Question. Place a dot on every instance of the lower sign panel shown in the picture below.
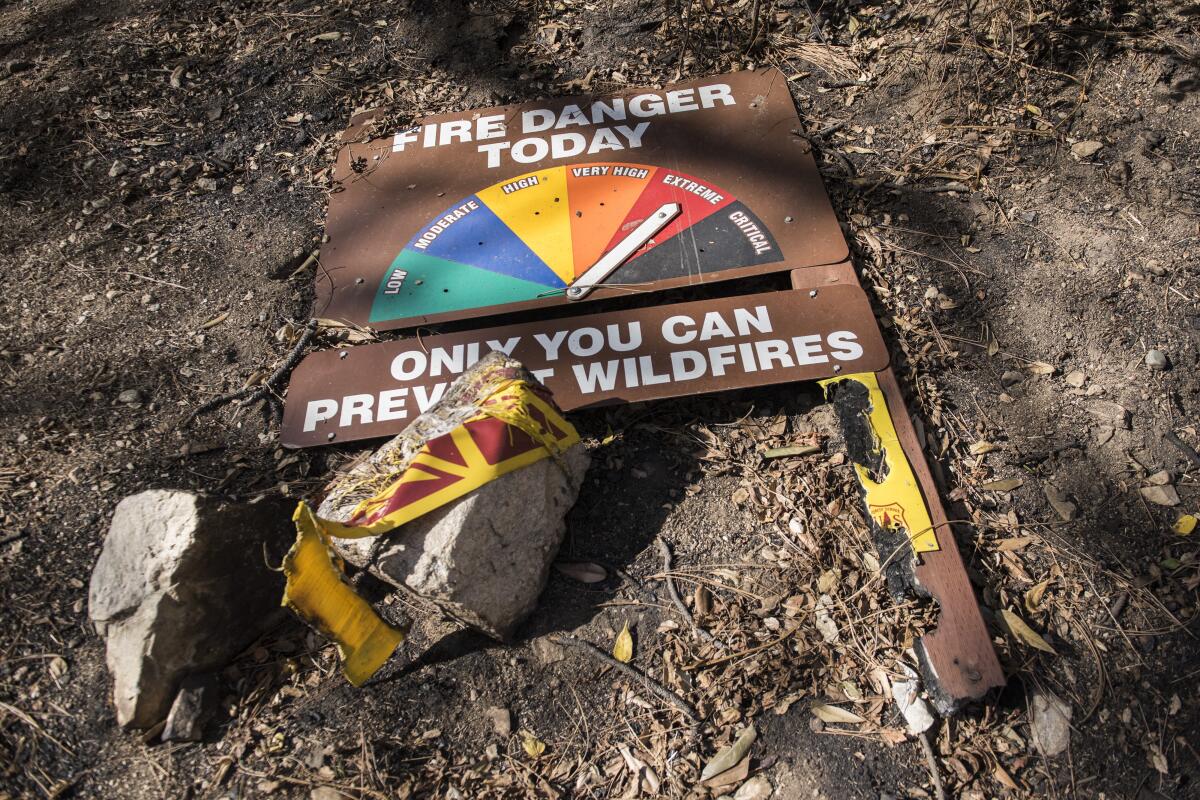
(623, 356)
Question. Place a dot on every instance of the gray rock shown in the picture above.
(1156, 360)
(181, 586)
(130, 396)
(484, 558)
(1061, 504)
(1050, 725)
(1075, 379)
(1114, 414)
(757, 788)
(501, 719)
(1011, 378)
(194, 706)
(1160, 495)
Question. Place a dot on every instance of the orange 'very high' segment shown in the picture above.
(600, 197)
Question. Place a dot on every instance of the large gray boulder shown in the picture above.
(181, 586)
(484, 558)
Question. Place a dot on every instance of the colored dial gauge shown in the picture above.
(581, 225)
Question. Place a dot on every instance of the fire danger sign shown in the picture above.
(639, 354)
(477, 213)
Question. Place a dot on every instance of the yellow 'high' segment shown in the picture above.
(897, 501)
(536, 208)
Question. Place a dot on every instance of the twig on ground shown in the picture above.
(646, 681)
(264, 390)
(664, 550)
(931, 759)
(1184, 448)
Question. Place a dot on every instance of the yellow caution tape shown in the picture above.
(515, 427)
(897, 501)
(317, 591)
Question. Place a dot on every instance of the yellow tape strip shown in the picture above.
(317, 592)
(514, 403)
(316, 589)
(897, 502)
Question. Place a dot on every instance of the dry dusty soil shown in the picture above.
(1019, 184)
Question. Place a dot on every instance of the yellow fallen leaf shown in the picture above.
(1002, 485)
(979, 448)
(1018, 628)
(623, 647)
(828, 713)
(1184, 525)
(533, 745)
(1033, 597)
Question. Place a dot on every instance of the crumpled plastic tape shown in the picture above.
(515, 427)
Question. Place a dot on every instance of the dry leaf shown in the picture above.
(981, 447)
(1002, 485)
(1184, 525)
(730, 756)
(215, 321)
(582, 571)
(1004, 779)
(623, 647)
(533, 745)
(1040, 368)
(1013, 544)
(828, 713)
(1033, 597)
(1018, 628)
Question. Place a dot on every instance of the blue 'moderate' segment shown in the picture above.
(471, 233)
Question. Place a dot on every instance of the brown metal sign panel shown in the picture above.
(476, 213)
(624, 356)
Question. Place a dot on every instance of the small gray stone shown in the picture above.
(130, 396)
(117, 169)
(1061, 504)
(1086, 149)
(326, 793)
(757, 788)
(181, 587)
(194, 706)
(1011, 378)
(1114, 414)
(1075, 379)
(1050, 725)
(501, 719)
(1156, 360)
(547, 652)
(1160, 495)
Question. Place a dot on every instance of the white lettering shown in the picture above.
(391, 405)
(602, 374)
(318, 411)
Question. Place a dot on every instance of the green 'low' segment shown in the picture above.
(436, 286)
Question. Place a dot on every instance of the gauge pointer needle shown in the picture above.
(619, 254)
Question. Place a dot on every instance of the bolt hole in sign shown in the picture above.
(570, 200)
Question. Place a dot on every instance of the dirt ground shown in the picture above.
(1019, 185)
